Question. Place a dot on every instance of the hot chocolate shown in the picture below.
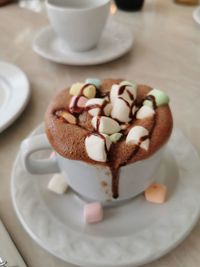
(112, 122)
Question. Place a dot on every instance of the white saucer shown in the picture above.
(115, 42)
(196, 15)
(131, 234)
(14, 93)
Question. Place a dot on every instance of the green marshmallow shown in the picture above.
(160, 97)
(115, 137)
(94, 81)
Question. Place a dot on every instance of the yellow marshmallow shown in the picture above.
(90, 91)
(76, 88)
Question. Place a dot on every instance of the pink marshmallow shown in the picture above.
(93, 212)
(81, 101)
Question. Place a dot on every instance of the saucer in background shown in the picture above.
(196, 15)
(14, 93)
(116, 40)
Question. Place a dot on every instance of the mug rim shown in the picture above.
(72, 9)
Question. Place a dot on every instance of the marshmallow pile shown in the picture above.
(111, 114)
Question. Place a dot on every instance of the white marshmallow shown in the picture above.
(108, 109)
(114, 92)
(120, 111)
(106, 125)
(135, 134)
(100, 102)
(95, 147)
(131, 88)
(145, 144)
(57, 184)
(145, 112)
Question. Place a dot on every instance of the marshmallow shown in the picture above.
(160, 97)
(80, 103)
(130, 89)
(120, 111)
(131, 86)
(145, 144)
(156, 193)
(114, 92)
(94, 81)
(96, 110)
(93, 212)
(135, 134)
(148, 103)
(95, 147)
(105, 125)
(145, 112)
(89, 91)
(57, 184)
(68, 117)
(115, 137)
(76, 88)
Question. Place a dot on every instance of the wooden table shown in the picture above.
(166, 54)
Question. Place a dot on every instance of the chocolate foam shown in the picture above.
(69, 140)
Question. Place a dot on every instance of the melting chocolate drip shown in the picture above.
(115, 182)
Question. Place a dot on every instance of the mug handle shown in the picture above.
(37, 166)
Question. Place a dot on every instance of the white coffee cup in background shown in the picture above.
(78, 23)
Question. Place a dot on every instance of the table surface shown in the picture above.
(166, 54)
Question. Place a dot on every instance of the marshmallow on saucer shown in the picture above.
(135, 136)
(58, 184)
(145, 112)
(96, 146)
(156, 193)
(105, 125)
(93, 212)
(121, 110)
(94, 111)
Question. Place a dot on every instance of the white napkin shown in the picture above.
(8, 251)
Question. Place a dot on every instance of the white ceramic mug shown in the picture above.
(78, 23)
(92, 182)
